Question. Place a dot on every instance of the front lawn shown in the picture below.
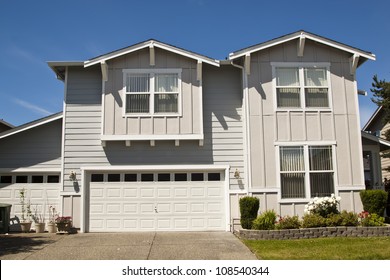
(354, 248)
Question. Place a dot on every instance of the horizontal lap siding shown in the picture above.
(223, 142)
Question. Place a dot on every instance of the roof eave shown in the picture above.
(299, 34)
(59, 67)
(30, 125)
(372, 118)
(151, 43)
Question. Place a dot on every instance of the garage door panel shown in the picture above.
(150, 206)
(130, 208)
(97, 208)
(130, 193)
(113, 208)
(113, 192)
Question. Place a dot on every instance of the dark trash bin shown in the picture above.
(5, 213)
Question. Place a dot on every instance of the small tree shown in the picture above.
(374, 201)
(248, 210)
(381, 93)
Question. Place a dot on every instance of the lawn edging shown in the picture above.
(305, 233)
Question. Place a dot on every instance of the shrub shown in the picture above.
(288, 222)
(265, 221)
(313, 221)
(342, 219)
(374, 201)
(371, 220)
(323, 206)
(248, 210)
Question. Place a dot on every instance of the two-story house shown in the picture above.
(155, 137)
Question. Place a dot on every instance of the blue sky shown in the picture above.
(34, 32)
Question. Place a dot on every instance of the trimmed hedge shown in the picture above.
(374, 201)
(248, 209)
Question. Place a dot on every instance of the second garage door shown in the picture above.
(192, 201)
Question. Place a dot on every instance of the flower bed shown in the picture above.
(314, 232)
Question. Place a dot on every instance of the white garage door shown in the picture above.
(157, 202)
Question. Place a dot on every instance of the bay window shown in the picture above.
(152, 91)
(301, 87)
(306, 171)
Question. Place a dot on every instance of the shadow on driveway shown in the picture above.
(21, 245)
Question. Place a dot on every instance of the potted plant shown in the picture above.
(64, 224)
(39, 221)
(25, 222)
(51, 224)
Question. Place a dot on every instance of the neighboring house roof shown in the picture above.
(3, 122)
(384, 144)
(151, 44)
(304, 35)
(31, 125)
(373, 118)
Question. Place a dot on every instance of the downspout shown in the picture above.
(246, 126)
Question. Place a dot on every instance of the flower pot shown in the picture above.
(25, 226)
(51, 227)
(39, 227)
(64, 226)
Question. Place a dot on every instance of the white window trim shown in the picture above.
(301, 67)
(307, 169)
(152, 92)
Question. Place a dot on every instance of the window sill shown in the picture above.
(304, 110)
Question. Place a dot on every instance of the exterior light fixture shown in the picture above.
(237, 174)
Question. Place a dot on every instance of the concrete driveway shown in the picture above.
(124, 246)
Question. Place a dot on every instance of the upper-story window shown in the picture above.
(302, 87)
(152, 91)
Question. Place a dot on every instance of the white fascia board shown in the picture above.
(155, 167)
(151, 137)
(307, 36)
(24, 128)
(147, 45)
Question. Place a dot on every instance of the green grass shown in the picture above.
(366, 248)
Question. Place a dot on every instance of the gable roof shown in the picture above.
(302, 34)
(147, 44)
(373, 118)
(30, 125)
(383, 143)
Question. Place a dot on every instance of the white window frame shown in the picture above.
(307, 170)
(301, 67)
(152, 92)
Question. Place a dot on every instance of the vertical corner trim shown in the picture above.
(152, 143)
(128, 143)
(177, 143)
(201, 142)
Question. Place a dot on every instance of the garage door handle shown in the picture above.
(155, 209)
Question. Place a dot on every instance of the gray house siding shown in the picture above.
(222, 123)
(114, 121)
(35, 148)
(267, 126)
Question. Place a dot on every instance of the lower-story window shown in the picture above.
(306, 171)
